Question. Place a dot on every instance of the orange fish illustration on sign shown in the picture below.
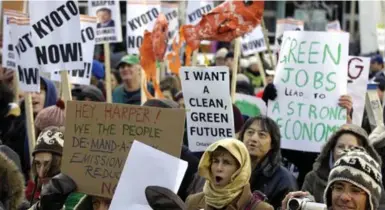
(153, 48)
(225, 22)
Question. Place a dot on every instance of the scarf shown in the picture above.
(221, 197)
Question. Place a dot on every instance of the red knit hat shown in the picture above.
(51, 116)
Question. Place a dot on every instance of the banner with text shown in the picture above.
(56, 35)
(141, 15)
(98, 138)
(206, 93)
(253, 42)
(27, 67)
(109, 26)
(310, 78)
(83, 76)
(196, 9)
(358, 78)
(283, 25)
(171, 13)
(8, 51)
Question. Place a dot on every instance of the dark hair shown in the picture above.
(219, 151)
(104, 9)
(54, 167)
(117, 76)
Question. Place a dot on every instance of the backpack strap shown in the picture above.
(256, 198)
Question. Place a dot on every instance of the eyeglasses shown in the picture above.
(352, 191)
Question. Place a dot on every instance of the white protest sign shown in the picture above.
(381, 37)
(27, 67)
(250, 105)
(141, 15)
(333, 26)
(253, 42)
(83, 76)
(146, 162)
(196, 9)
(9, 54)
(206, 92)
(171, 13)
(109, 26)
(286, 25)
(358, 77)
(55, 27)
(310, 78)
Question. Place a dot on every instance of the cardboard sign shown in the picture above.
(358, 77)
(333, 26)
(98, 138)
(141, 15)
(310, 78)
(146, 162)
(83, 76)
(196, 9)
(206, 93)
(283, 25)
(8, 51)
(171, 13)
(381, 37)
(108, 28)
(253, 42)
(250, 105)
(27, 67)
(55, 26)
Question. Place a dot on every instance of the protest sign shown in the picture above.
(381, 37)
(373, 107)
(310, 78)
(83, 76)
(108, 28)
(333, 26)
(253, 42)
(250, 105)
(98, 137)
(9, 54)
(283, 25)
(146, 161)
(141, 15)
(55, 27)
(206, 93)
(358, 77)
(196, 9)
(27, 67)
(171, 13)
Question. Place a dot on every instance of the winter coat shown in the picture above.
(377, 139)
(316, 180)
(197, 202)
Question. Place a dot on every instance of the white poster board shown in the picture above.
(152, 167)
(109, 26)
(8, 51)
(358, 78)
(310, 78)
(55, 26)
(141, 15)
(253, 42)
(283, 25)
(171, 13)
(27, 67)
(250, 105)
(333, 26)
(380, 29)
(83, 76)
(206, 92)
(196, 9)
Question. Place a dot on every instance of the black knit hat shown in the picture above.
(161, 103)
(50, 140)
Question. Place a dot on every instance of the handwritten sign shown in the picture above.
(358, 77)
(27, 67)
(283, 25)
(253, 42)
(206, 93)
(54, 26)
(250, 105)
(108, 28)
(141, 15)
(83, 76)
(99, 136)
(8, 51)
(310, 78)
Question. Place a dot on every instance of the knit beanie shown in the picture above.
(93, 93)
(51, 116)
(161, 103)
(97, 70)
(357, 167)
(50, 140)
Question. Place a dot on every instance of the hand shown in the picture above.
(345, 101)
(296, 194)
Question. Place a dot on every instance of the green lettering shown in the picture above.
(316, 132)
(283, 47)
(318, 76)
(333, 113)
(324, 113)
(342, 113)
(330, 81)
(300, 52)
(308, 131)
(278, 121)
(296, 124)
(286, 136)
(291, 109)
(312, 111)
(327, 50)
(276, 107)
(297, 79)
(288, 74)
(311, 52)
(291, 50)
(300, 108)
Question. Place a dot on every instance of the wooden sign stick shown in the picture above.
(65, 86)
(237, 52)
(107, 64)
(30, 122)
(266, 38)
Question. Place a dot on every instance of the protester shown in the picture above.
(88, 93)
(377, 139)
(376, 67)
(262, 138)
(116, 80)
(226, 167)
(220, 57)
(98, 75)
(348, 136)
(229, 59)
(355, 182)
(160, 198)
(179, 99)
(50, 116)
(253, 73)
(169, 87)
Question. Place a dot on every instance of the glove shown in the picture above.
(55, 193)
(270, 93)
